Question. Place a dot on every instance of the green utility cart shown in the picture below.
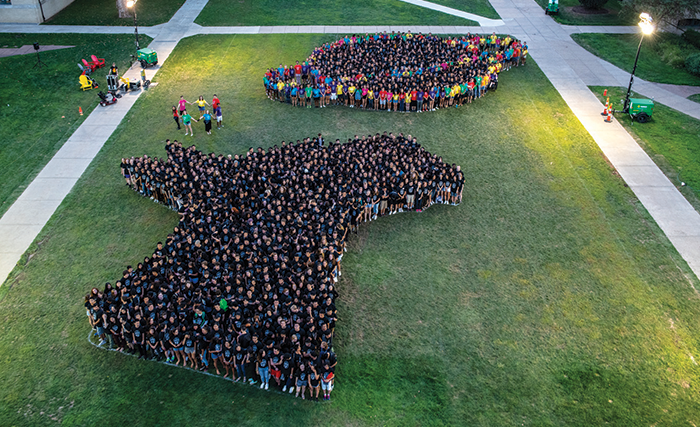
(641, 109)
(147, 57)
(552, 7)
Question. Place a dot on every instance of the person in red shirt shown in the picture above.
(215, 102)
(414, 94)
(297, 73)
(382, 99)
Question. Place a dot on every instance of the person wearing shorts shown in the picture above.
(314, 383)
(325, 96)
(308, 92)
(339, 93)
(316, 93)
(190, 349)
(382, 99)
(226, 358)
(275, 363)
(302, 380)
(215, 348)
(327, 377)
(294, 94)
(176, 345)
(201, 104)
(334, 94)
(182, 104)
(219, 118)
(187, 121)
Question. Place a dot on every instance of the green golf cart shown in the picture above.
(147, 57)
(552, 7)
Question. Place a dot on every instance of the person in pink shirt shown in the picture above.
(182, 105)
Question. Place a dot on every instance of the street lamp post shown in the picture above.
(132, 5)
(645, 22)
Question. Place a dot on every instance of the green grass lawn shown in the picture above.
(333, 12)
(695, 98)
(39, 108)
(549, 297)
(659, 52)
(104, 12)
(567, 16)
(670, 138)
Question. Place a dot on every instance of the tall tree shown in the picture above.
(663, 11)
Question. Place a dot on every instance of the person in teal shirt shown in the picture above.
(317, 94)
(207, 122)
(187, 121)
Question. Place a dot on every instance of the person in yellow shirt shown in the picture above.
(351, 94)
(280, 91)
(506, 41)
(454, 94)
(201, 103)
(485, 83)
(339, 93)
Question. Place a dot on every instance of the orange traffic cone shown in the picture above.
(80, 110)
(605, 92)
(609, 118)
(607, 106)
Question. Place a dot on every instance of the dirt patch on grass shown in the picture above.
(466, 297)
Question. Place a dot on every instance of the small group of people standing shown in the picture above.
(180, 114)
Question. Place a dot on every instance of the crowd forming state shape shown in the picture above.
(396, 71)
(246, 281)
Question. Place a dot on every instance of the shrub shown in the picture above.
(672, 54)
(692, 64)
(692, 37)
(593, 4)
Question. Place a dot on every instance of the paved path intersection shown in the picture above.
(570, 68)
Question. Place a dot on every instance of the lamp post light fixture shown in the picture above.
(131, 4)
(645, 22)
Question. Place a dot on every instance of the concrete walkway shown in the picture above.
(78, 29)
(569, 67)
(31, 211)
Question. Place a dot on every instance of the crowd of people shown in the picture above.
(396, 72)
(180, 114)
(245, 283)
